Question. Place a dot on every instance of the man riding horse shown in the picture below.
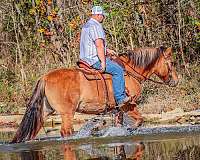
(69, 90)
(93, 51)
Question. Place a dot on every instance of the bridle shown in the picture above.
(142, 78)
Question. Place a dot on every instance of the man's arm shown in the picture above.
(100, 51)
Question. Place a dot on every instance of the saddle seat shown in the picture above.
(92, 73)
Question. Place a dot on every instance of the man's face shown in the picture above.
(101, 17)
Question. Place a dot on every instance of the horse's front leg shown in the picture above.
(67, 125)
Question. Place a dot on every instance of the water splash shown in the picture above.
(89, 128)
(96, 128)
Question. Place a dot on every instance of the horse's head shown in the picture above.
(143, 62)
(164, 68)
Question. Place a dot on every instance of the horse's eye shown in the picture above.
(173, 63)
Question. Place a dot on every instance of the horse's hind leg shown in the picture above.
(118, 119)
(67, 125)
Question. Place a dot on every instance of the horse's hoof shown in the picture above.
(138, 123)
(65, 133)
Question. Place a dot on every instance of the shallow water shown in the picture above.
(165, 147)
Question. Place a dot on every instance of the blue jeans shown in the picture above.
(118, 81)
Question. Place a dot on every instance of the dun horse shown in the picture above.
(67, 91)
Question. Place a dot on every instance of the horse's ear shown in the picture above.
(168, 52)
(162, 49)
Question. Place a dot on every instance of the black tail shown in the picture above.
(33, 117)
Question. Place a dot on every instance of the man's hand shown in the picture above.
(103, 67)
(110, 52)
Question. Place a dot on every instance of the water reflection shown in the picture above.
(69, 152)
(105, 152)
(192, 153)
(116, 151)
(144, 148)
(32, 155)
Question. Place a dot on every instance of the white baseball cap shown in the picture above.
(98, 10)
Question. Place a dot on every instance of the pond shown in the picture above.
(165, 147)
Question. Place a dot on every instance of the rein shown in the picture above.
(132, 75)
